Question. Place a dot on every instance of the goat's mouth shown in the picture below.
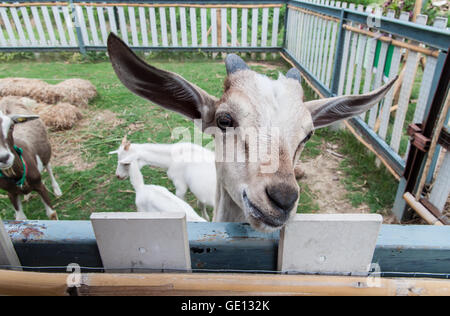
(258, 215)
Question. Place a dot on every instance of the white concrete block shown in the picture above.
(142, 242)
(329, 243)
(8, 256)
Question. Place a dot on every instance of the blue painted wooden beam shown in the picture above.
(226, 246)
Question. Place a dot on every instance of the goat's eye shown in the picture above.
(224, 120)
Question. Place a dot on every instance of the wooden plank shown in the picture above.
(140, 241)
(387, 103)
(214, 27)
(112, 20)
(193, 18)
(173, 26)
(6, 22)
(362, 41)
(3, 42)
(254, 42)
(321, 42)
(351, 67)
(8, 256)
(93, 26)
(69, 26)
(204, 27)
(324, 49)
(143, 26)
(38, 24)
(297, 35)
(244, 27)
(441, 187)
(312, 66)
(49, 26)
(102, 24)
(308, 41)
(405, 93)
(19, 28)
(133, 26)
(153, 28)
(122, 25)
(183, 26)
(265, 18)
(81, 20)
(332, 49)
(223, 27)
(234, 18)
(163, 25)
(61, 32)
(304, 36)
(276, 17)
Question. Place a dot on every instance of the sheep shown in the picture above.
(155, 198)
(188, 165)
(24, 152)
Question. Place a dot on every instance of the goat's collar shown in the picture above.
(22, 180)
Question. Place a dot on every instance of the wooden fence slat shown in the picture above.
(265, 18)
(62, 34)
(297, 35)
(163, 25)
(362, 41)
(173, 26)
(405, 93)
(112, 20)
(49, 26)
(203, 16)
(133, 26)
(351, 70)
(308, 41)
(223, 26)
(143, 25)
(122, 24)
(153, 28)
(69, 26)
(332, 48)
(320, 43)
(19, 27)
(234, 18)
(7, 24)
(254, 27)
(427, 78)
(37, 22)
(441, 187)
(244, 27)
(93, 26)
(193, 16)
(3, 42)
(324, 47)
(214, 27)
(303, 36)
(276, 17)
(387, 103)
(28, 27)
(102, 25)
(183, 26)
(312, 66)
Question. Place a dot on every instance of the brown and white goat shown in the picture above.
(251, 101)
(24, 151)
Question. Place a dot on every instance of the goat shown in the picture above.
(188, 165)
(155, 198)
(24, 152)
(247, 191)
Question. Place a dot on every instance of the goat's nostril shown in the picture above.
(4, 158)
(282, 196)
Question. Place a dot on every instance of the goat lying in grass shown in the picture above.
(24, 152)
(189, 166)
(155, 198)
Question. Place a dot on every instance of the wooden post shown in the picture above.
(8, 256)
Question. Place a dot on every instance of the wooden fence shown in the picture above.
(340, 49)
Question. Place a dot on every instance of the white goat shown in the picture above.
(155, 198)
(189, 166)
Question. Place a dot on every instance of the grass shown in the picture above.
(95, 189)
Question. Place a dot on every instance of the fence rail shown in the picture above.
(340, 49)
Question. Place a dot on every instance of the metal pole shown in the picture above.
(77, 28)
(338, 56)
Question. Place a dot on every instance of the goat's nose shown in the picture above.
(283, 196)
(4, 158)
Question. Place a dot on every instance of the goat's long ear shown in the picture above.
(22, 118)
(327, 111)
(164, 88)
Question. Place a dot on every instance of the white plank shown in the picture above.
(362, 41)
(351, 66)
(314, 43)
(49, 26)
(19, 28)
(297, 35)
(348, 35)
(308, 40)
(8, 255)
(223, 27)
(122, 24)
(387, 103)
(37, 22)
(7, 24)
(441, 187)
(143, 25)
(153, 28)
(204, 27)
(244, 27)
(173, 26)
(133, 26)
(276, 17)
(112, 20)
(193, 18)
(93, 25)
(265, 23)
(163, 25)
(213, 27)
(303, 37)
(61, 32)
(82, 23)
(405, 93)
(3, 42)
(102, 24)
(69, 26)
(332, 49)
(329, 243)
(254, 42)
(234, 27)
(137, 241)
(323, 48)
(183, 26)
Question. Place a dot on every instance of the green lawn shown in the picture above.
(96, 189)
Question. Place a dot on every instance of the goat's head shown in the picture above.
(6, 136)
(251, 104)
(124, 151)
